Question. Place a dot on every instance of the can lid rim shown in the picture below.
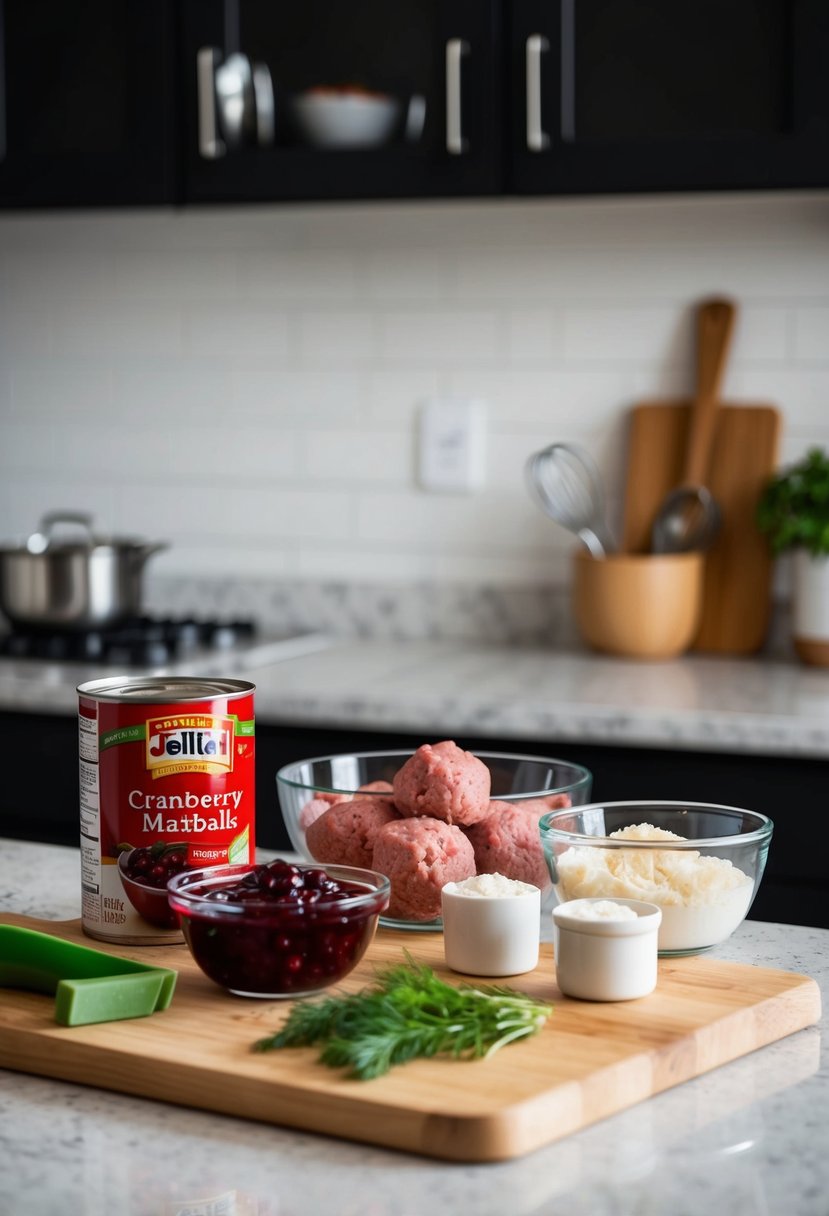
(159, 689)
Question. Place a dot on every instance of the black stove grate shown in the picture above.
(137, 642)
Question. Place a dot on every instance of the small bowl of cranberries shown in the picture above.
(145, 873)
(278, 929)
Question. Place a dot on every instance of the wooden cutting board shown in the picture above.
(589, 1060)
(738, 567)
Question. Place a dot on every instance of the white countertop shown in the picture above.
(754, 705)
(748, 1139)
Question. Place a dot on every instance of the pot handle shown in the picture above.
(40, 541)
(142, 552)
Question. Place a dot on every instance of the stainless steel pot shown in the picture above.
(76, 581)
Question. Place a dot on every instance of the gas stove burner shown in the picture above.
(138, 642)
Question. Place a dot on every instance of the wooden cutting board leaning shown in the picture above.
(733, 452)
(588, 1061)
(738, 566)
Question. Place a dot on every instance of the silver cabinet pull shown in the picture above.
(537, 137)
(263, 95)
(210, 146)
(456, 48)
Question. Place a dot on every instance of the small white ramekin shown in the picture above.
(606, 960)
(491, 935)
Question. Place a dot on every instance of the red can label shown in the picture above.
(165, 785)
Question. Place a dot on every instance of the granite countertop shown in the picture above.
(768, 706)
(749, 1137)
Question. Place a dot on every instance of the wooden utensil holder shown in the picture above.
(643, 606)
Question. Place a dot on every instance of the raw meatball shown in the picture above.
(443, 782)
(345, 833)
(419, 856)
(548, 802)
(317, 806)
(376, 787)
(312, 811)
(508, 842)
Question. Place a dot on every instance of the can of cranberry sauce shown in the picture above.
(166, 783)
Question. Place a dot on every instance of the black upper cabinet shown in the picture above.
(328, 100)
(179, 101)
(87, 103)
(643, 95)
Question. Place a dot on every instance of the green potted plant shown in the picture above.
(793, 511)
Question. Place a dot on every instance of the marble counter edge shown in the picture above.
(732, 706)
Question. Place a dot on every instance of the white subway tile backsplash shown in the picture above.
(447, 524)
(58, 388)
(341, 336)
(309, 397)
(393, 395)
(235, 510)
(811, 333)
(206, 274)
(761, 335)
(115, 328)
(25, 498)
(441, 334)
(533, 335)
(303, 275)
(154, 390)
(625, 333)
(244, 382)
(66, 274)
(563, 400)
(236, 329)
(801, 393)
(361, 457)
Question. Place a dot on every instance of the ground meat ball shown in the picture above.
(419, 856)
(547, 802)
(345, 833)
(444, 782)
(312, 810)
(376, 787)
(508, 842)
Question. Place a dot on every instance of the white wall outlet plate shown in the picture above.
(452, 448)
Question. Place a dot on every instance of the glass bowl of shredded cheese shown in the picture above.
(700, 862)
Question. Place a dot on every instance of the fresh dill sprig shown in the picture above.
(409, 1013)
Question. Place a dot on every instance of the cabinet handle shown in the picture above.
(456, 48)
(210, 146)
(537, 137)
(263, 96)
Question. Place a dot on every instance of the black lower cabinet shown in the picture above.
(39, 796)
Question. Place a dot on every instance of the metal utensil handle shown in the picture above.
(456, 144)
(715, 326)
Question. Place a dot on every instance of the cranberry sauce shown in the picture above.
(279, 930)
(156, 865)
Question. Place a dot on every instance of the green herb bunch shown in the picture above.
(409, 1013)
(794, 506)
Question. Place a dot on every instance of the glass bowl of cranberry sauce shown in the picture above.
(145, 873)
(278, 929)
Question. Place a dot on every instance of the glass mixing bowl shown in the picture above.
(307, 788)
(704, 879)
